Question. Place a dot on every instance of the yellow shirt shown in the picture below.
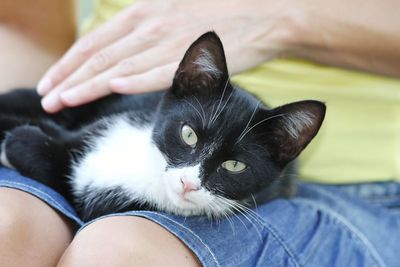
(360, 138)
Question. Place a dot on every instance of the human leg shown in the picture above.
(36, 223)
(321, 226)
(126, 241)
(31, 233)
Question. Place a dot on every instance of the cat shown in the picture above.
(202, 147)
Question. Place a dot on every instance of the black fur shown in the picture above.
(42, 146)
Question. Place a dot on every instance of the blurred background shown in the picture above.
(42, 30)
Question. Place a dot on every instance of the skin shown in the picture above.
(145, 43)
(31, 233)
(126, 241)
(140, 48)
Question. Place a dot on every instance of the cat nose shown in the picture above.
(189, 185)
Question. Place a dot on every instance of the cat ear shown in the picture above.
(292, 127)
(203, 68)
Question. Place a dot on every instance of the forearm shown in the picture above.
(362, 35)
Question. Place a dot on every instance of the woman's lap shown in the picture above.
(321, 226)
(12, 179)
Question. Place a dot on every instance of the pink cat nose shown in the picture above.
(189, 185)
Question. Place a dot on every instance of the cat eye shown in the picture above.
(188, 135)
(233, 166)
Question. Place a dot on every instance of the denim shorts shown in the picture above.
(322, 226)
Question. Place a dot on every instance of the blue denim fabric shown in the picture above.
(355, 225)
(12, 179)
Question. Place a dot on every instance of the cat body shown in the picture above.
(202, 147)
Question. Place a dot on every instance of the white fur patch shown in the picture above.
(126, 157)
(206, 63)
(3, 157)
(197, 202)
(295, 123)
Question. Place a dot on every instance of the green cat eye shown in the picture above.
(189, 136)
(233, 166)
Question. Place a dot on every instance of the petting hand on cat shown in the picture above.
(138, 50)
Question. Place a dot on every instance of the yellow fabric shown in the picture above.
(360, 139)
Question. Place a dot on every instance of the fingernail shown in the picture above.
(50, 103)
(44, 86)
(70, 96)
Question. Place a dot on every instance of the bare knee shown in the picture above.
(126, 241)
(31, 233)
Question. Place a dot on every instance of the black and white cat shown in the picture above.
(202, 147)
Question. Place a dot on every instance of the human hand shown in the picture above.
(139, 50)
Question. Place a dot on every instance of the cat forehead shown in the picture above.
(223, 111)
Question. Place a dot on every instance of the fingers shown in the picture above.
(94, 70)
(136, 43)
(87, 46)
(137, 51)
(81, 87)
(138, 67)
(98, 64)
(155, 79)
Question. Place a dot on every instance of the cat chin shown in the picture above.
(199, 203)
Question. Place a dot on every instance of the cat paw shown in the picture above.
(20, 145)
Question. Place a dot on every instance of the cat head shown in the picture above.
(222, 145)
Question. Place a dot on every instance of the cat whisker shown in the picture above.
(254, 202)
(250, 212)
(251, 216)
(212, 112)
(245, 212)
(258, 123)
(242, 207)
(229, 219)
(231, 203)
(227, 213)
(197, 111)
(223, 107)
(220, 101)
(202, 111)
(222, 212)
(248, 123)
(226, 102)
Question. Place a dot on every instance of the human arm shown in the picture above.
(140, 48)
(362, 35)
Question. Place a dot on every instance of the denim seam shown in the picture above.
(147, 214)
(196, 236)
(363, 240)
(27, 188)
(273, 232)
